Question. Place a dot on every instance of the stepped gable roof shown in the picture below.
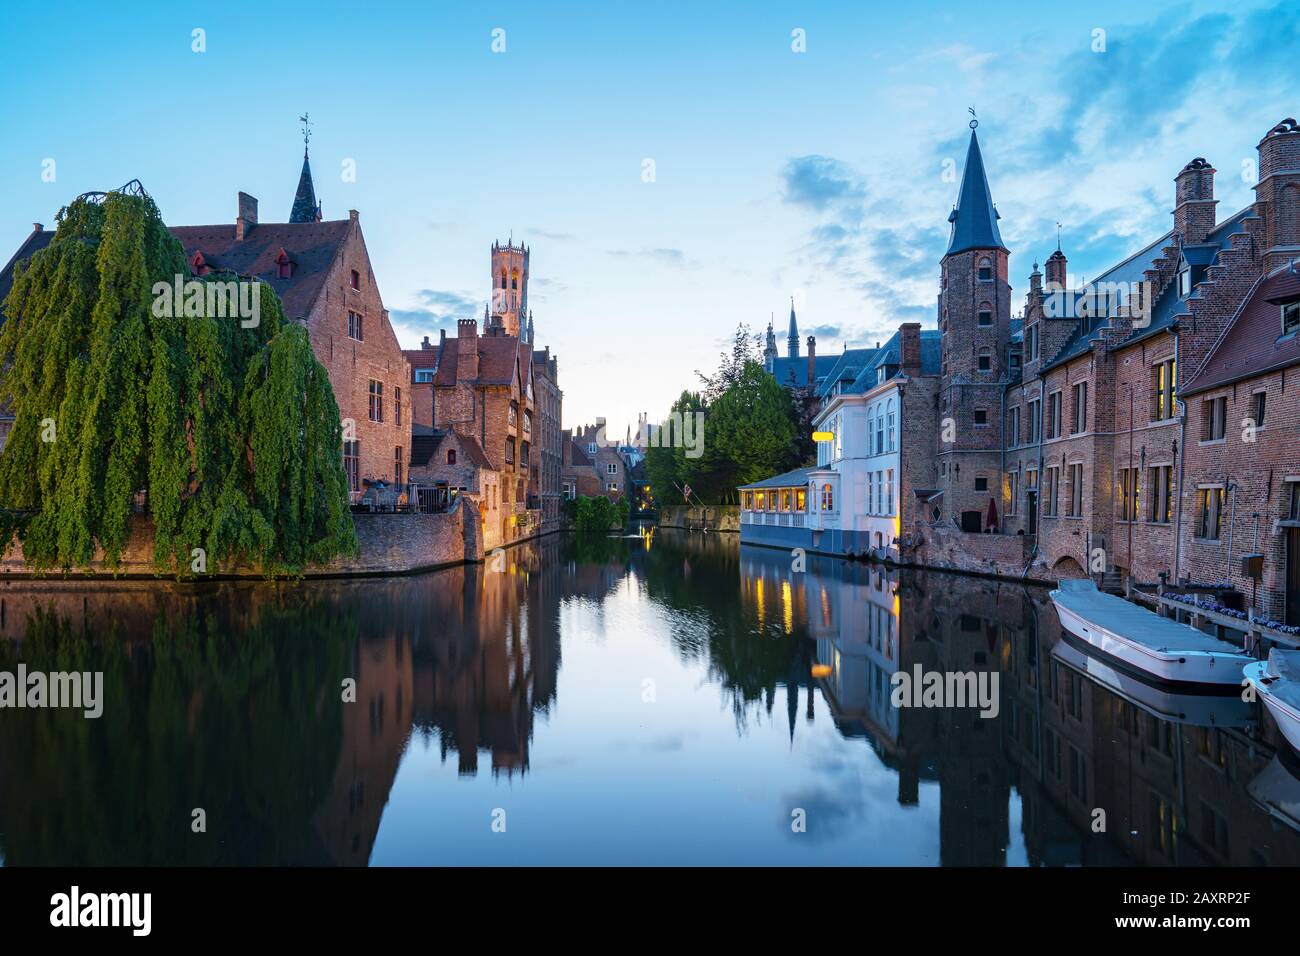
(1253, 344)
(1169, 306)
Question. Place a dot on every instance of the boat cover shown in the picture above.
(1285, 665)
(1135, 623)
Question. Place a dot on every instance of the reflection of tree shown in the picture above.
(246, 727)
(747, 661)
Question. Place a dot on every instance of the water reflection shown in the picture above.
(658, 698)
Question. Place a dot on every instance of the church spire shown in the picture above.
(305, 206)
(792, 337)
(974, 219)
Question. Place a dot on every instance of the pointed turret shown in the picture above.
(305, 207)
(974, 220)
(792, 337)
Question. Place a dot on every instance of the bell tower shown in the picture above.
(509, 286)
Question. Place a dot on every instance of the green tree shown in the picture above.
(751, 431)
(232, 432)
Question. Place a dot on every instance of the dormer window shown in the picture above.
(1185, 283)
(1290, 317)
(985, 270)
(356, 279)
(198, 265)
(283, 265)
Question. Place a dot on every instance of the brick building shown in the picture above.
(605, 458)
(321, 271)
(1074, 427)
(1139, 424)
(493, 392)
(577, 470)
(550, 402)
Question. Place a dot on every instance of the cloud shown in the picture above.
(674, 258)
(1090, 139)
(553, 236)
(437, 309)
(820, 182)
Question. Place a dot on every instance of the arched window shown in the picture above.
(514, 280)
(985, 269)
(889, 430)
(503, 278)
(356, 279)
(828, 498)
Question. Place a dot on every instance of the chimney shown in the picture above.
(38, 227)
(1194, 201)
(1277, 190)
(1057, 268)
(909, 347)
(812, 360)
(466, 350)
(247, 218)
(426, 344)
(352, 215)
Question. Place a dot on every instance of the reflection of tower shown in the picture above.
(509, 287)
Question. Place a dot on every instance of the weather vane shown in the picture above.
(973, 121)
(306, 129)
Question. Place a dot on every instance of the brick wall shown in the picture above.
(388, 544)
(353, 364)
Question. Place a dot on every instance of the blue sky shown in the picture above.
(819, 174)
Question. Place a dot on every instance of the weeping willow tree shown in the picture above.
(229, 427)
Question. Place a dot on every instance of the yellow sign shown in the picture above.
(823, 436)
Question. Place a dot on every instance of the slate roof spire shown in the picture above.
(792, 338)
(305, 206)
(974, 220)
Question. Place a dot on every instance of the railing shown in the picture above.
(412, 498)
(779, 519)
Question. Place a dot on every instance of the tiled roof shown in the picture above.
(846, 368)
(974, 221)
(497, 355)
(424, 446)
(1252, 343)
(31, 245)
(578, 455)
(311, 247)
(790, 479)
(794, 371)
(890, 354)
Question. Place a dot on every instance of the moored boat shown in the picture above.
(1143, 640)
(1277, 682)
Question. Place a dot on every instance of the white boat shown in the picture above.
(1205, 709)
(1143, 640)
(1277, 682)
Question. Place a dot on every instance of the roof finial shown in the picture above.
(973, 121)
(306, 131)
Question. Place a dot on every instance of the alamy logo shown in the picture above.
(948, 689)
(678, 430)
(75, 908)
(193, 299)
(82, 690)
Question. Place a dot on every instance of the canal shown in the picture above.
(664, 698)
